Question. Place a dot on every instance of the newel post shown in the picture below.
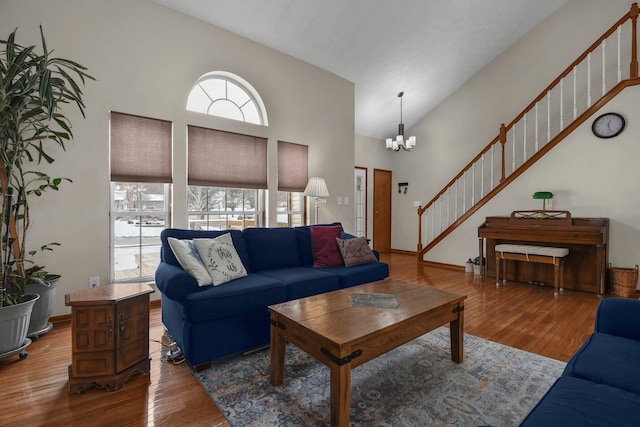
(503, 141)
(633, 72)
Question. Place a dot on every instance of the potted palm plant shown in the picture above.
(34, 86)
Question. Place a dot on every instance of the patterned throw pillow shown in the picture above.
(356, 251)
(188, 257)
(220, 259)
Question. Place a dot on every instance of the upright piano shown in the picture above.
(586, 239)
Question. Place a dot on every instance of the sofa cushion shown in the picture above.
(359, 274)
(220, 259)
(271, 248)
(607, 359)
(356, 251)
(325, 247)
(576, 402)
(245, 295)
(179, 233)
(187, 255)
(302, 282)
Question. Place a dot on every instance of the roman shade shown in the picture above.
(140, 149)
(293, 170)
(225, 159)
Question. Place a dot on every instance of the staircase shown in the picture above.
(592, 80)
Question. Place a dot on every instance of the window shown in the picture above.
(226, 95)
(140, 150)
(226, 177)
(139, 212)
(292, 178)
(219, 208)
(290, 209)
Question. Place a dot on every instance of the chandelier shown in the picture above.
(399, 142)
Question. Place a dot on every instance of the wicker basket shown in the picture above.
(623, 281)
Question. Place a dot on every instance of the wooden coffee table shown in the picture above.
(342, 336)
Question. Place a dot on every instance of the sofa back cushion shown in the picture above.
(271, 248)
(168, 256)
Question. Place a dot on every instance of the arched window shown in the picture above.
(224, 94)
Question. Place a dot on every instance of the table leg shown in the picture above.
(481, 252)
(277, 356)
(600, 268)
(556, 276)
(456, 330)
(340, 394)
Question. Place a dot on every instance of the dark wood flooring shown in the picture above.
(34, 390)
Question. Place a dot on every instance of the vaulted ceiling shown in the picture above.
(426, 48)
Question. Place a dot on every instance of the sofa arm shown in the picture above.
(619, 317)
(174, 282)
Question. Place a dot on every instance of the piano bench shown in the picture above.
(535, 254)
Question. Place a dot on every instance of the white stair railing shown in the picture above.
(598, 68)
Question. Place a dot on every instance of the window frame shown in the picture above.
(240, 83)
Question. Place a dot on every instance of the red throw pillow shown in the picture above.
(325, 247)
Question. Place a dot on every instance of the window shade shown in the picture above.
(140, 149)
(293, 170)
(225, 159)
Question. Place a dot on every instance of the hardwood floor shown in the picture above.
(34, 390)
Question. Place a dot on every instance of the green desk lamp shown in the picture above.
(544, 195)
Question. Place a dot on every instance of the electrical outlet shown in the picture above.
(94, 281)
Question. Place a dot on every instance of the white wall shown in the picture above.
(579, 172)
(146, 58)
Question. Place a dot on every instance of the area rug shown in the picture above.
(416, 384)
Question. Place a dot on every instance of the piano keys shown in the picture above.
(586, 239)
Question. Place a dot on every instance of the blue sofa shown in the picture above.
(214, 321)
(600, 385)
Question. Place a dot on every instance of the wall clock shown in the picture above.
(608, 125)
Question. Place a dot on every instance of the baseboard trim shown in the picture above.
(429, 263)
(401, 251)
(443, 265)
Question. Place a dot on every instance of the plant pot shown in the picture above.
(43, 307)
(14, 323)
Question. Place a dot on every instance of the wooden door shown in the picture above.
(382, 210)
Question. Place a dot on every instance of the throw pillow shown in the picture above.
(189, 259)
(220, 259)
(325, 247)
(356, 251)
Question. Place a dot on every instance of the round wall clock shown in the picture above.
(608, 125)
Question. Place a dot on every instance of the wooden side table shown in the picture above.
(110, 335)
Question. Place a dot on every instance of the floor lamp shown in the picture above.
(316, 187)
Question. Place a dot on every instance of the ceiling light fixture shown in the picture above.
(399, 142)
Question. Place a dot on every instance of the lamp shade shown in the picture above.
(543, 195)
(316, 187)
